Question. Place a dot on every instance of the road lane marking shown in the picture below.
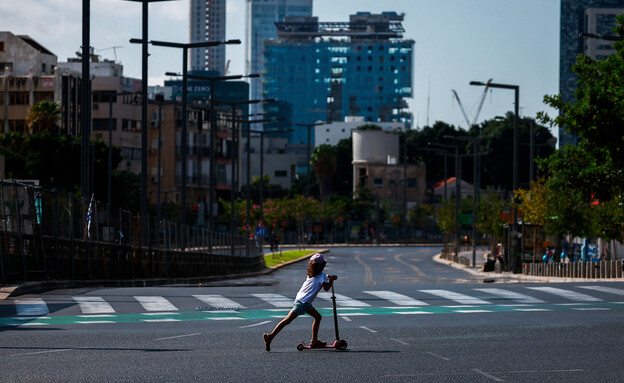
(155, 303)
(473, 311)
(94, 305)
(343, 300)
(346, 318)
(368, 273)
(218, 301)
(400, 341)
(512, 295)
(95, 322)
(457, 297)
(437, 356)
(397, 299)
(161, 320)
(256, 324)
(571, 295)
(179, 336)
(43, 352)
(276, 300)
(604, 289)
(31, 307)
(487, 375)
(367, 329)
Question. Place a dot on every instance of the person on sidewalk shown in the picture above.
(303, 301)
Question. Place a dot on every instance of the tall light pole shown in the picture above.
(309, 126)
(476, 186)
(185, 47)
(457, 190)
(111, 96)
(144, 75)
(248, 149)
(213, 134)
(235, 144)
(516, 88)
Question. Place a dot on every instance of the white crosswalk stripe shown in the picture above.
(218, 301)
(457, 297)
(155, 303)
(31, 307)
(604, 289)
(512, 295)
(276, 300)
(568, 294)
(343, 300)
(396, 298)
(94, 305)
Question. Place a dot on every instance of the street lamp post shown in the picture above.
(443, 153)
(144, 74)
(476, 188)
(213, 134)
(111, 97)
(514, 262)
(309, 126)
(185, 47)
(457, 190)
(235, 144)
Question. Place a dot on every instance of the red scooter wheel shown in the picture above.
(300, 347)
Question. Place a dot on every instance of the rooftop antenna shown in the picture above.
(428, 99)
(114, 50)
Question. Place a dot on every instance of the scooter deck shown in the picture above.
(340, 344)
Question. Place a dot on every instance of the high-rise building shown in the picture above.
(583, 16)
(330, 70)
(207, 23)
(261, 16)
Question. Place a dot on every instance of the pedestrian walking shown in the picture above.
(316, 279)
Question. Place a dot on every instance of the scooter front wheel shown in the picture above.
(341, 345)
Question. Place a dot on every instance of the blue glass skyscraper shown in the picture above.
(325, 71)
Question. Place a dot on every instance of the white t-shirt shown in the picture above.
(310, 288)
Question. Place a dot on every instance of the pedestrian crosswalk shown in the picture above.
(529, 298)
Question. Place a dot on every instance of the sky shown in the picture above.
(456, 41)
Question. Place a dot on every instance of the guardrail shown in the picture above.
(47, 234)
(593, 270)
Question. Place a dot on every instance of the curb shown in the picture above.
(273, 268)
(36, 287)
(492, 276)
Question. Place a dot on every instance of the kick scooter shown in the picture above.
(339, 344)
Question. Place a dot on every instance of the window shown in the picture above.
(102, 124)
(281, 173)
(378, 182)
(412, 182)
(1, 46)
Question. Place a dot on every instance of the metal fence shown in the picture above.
(47, 234)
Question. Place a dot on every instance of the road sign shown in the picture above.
(260, 231)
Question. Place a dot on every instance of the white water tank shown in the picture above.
(374, 146)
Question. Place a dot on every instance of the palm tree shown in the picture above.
(43, 115)
(324, 162)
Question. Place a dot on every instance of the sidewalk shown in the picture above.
(507, 276)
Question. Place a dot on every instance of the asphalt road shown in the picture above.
(405, 318)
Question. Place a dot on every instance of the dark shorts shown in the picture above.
(301, 308)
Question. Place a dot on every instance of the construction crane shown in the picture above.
(461, 106)
(113, 48)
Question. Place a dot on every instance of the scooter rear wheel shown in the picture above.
(300, 347)
(341, 345)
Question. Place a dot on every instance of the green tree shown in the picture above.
(445, 216)
(324, 162)
(489, 218)
(43, 116)
(592, 170)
